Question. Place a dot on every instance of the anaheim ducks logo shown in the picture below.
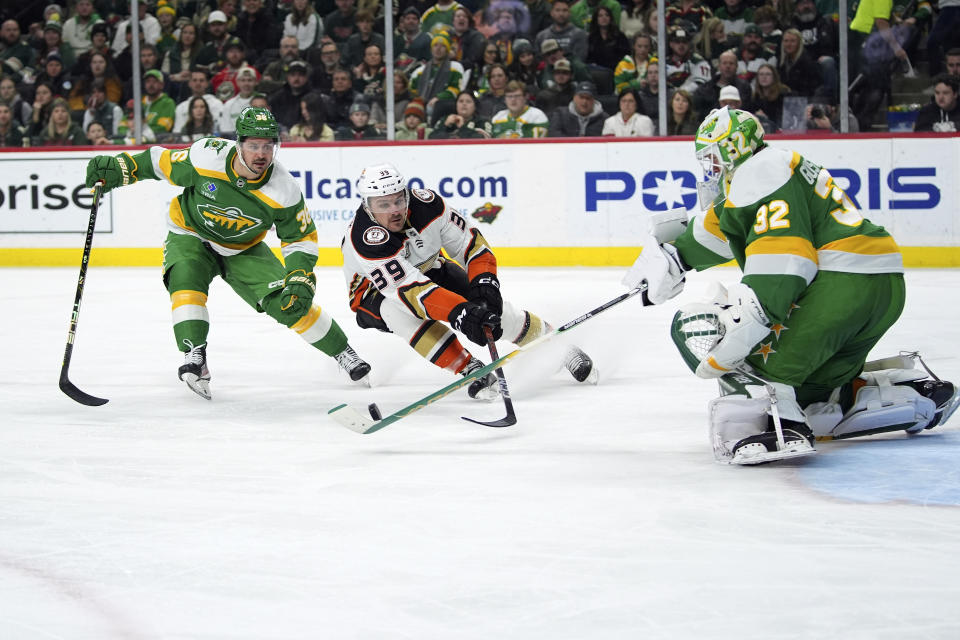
(227, 222)
(375, 235)
(487, 213)
(424, 195)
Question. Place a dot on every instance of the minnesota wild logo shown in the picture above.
(487, 213)
(227, 222)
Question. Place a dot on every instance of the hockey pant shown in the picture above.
(432, 339)
(825, 339)
(256, 275)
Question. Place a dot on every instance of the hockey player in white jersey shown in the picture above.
(400, 282)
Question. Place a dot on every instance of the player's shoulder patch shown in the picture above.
(423, 195)
(375, 235)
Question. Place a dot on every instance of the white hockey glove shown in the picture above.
(660, 266)
(744, 324)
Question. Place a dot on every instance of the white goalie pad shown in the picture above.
(733, 418)
(878, 407)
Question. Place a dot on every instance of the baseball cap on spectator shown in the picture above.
(411, 9)
(53, 25)
(216, 16)
(298, 66)
(521, 45)
(415, 108)
(53, 56)
(729, 92)
(549, 46)
(679, 34)
(247, 71)
(586, 87)
(154, 73)
(235, 43)
(562, 65)
(359, 105)
(752, 28)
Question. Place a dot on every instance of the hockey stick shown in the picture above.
(511, 418)
(355, 421)
(65, 385)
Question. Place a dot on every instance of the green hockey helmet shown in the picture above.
(257, 122)
(725, 139)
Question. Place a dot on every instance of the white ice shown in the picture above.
(600, 515)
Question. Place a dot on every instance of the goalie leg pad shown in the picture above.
(877, 409)
(739, 432)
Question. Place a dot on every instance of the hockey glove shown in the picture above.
(486, 288)
(108, 169)
(744, 324)
(297, 294)
(660, 266)
(469, 318)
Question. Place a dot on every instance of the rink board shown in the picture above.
(540, 203)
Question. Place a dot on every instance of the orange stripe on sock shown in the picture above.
(180, 298)
(304, 323)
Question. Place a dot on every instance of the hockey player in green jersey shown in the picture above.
(233, 194)
(821, 284)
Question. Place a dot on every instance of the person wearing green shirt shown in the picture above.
(159, 109)
(518, 120)
(581, 12)
(233, 194)
(437, 81)
(821, 286)
(439, 17)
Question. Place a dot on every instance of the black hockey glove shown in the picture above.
(486, 288)
(298, 289)
(106, 168)
(469, 318)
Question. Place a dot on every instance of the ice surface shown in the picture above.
(600, 515)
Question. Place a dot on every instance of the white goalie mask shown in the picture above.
(380, 180)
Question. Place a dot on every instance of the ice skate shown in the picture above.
(194, 370)
(354, 366)
(486, 388)
(944, 395)
(580, 365)
(763, 447)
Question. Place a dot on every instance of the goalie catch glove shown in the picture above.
(661, 267)
(743, 324)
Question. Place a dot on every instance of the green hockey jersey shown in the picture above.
(229, 212)
(783, 221)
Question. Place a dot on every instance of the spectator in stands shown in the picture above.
(40, 115)
(480, 75)
(437, 83)
(339, 24)
(465, 123)
(765, 18)
(212, 52)
(359, 127)
(583, 12)
(729, 97)
(508, 16)
(752, 54)
(159, 109)
(493, 100)
(798, 70)
(689, 14)
(61, 130)
(943, 114)
(285, 102)
(411, 40)
(552, 53)
(820, 39)
(711, 41)
(149, 27)
(257, 28)
(650, 91)
(685, 69)
(768, 97)
(369, 77)
(96, 134)
(235, 60)
(708, 94)
(199, 123)
(99, 34)
(340, 99)
(167, 17)
(179, 60)
(275, 73)
(826, 118)
(466, 43)
(199, 88)
(99, 68)
(628, 122)
(304, 24)
(312, 126)
(944, 34)
(401, 94)
(568, 36)
(630, 71)
(682, 120)
(606, 44)
(561, 91)
(20, 109)
(439, 16)
(524, 66)
(246, 83)
(518, 120)
(53, 43)
(259, 100)
(356, 45)
(412, 126)
(10, 135)
(54, 74)
(15, 53)
(100, 109)
(736, 15)
(78, 29)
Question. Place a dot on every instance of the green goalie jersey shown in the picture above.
(784, 221)
(227, 211)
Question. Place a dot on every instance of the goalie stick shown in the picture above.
(65, 385)
(356, 421)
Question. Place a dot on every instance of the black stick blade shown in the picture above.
(79, 396)
(507, 421)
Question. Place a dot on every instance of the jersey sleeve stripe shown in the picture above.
(410, 296)
(788, 245)
(765, 264)
(307, 245)
(161, 162)
(864, 245)
(210, 173)
(176, 216)
(266, 199)
(859, 263)
(707, 233)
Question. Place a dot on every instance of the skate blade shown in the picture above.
(489, 394)
(363, 382)
(199, 386)
(750, 454)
